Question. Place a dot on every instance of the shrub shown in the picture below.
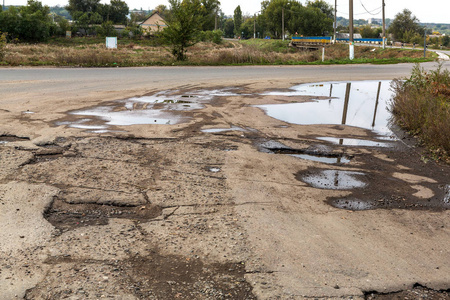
(421, 105)
(2, 45)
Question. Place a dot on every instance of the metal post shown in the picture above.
(282, 22)
(384, 26)
(425, 43)
(335, 24)
(351, 41)
(254, 27)
(323, 54)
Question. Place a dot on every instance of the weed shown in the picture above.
(421, 105)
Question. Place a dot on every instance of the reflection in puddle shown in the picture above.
(334, 180)
(164, 108)
(360, 103)
(323, 159)
(447, 194)
(354, 142)
(352, 204)
(218, 130)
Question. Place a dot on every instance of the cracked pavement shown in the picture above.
(169, 211)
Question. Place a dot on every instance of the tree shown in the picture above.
(30, 23)
(314, 22)
(161, 10)
(405, 25)
(211, 9)
(367, 32)
(118, 11)
(272, 12)
(183, 26)
(237, 20)
(324, 7)
(83, 6)
(228, 29)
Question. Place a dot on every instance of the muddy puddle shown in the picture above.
(359, 103)
(316, 153)
(334, 179)
(163, 108)
(4, 139)
(355, 142)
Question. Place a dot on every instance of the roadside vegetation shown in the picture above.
(421, 105)
(92, 52)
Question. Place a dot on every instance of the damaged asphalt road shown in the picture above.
(215, 205)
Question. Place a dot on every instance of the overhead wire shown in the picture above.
(369, 12)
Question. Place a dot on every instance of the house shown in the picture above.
(153, 24)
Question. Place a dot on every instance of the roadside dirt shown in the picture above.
(169, 211)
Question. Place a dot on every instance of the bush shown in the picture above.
(214, 36)
(2, 45)
(421, 105)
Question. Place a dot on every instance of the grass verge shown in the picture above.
(91, 52)
(421, 105)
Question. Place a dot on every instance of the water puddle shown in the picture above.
(360, 103)
(214, 170)
(163, 108)
(219, 130)
(355, 142)
(317, 153)
(323, 159)
(334, 179)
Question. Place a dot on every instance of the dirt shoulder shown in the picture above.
(162, 211)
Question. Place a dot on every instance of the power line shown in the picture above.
(369, 11)
(364, 13)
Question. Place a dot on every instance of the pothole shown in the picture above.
(150, 276)
(359, 103)
(65, 216)
(355, 142)
(220, 130)
(333, 179)
(163, 108)
(353, 204)
(311, 153)
(6, 138)
(418, 291)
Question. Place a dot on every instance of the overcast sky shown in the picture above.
(430, 11)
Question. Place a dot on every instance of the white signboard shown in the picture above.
(111, 42)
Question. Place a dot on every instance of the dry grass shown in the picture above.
(422, 106)
(94, 53)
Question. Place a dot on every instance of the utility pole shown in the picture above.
(215, 24)
(384, 26)
(335, 24)
(254, 27)
(282, 22)
(425, 42)
(351, 41)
